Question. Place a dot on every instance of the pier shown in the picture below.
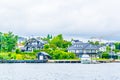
(64, 61)
(23, 61)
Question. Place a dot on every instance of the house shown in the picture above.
(43, 56)
(103, 48)
(113, 55)
(33, 44)
(111, 45)
(80, 48)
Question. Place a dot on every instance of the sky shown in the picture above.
(72, 18)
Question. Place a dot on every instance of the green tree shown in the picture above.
(49, 36)
(96, 43)
(117, 45)
(46, 46)
(108, 48)
(8, 41)
(93, 43)
(59, 42)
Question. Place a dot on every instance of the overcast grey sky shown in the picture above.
(84, 18)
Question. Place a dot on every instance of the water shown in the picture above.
(48, 71)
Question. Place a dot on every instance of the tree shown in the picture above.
(117, 46)
(1, 42)
(108, 48)
(46, 46)
(8, 41)
(59, 42)
(96, 43)
(90, 42)
(49, 36)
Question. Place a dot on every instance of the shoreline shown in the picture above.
(56, 61)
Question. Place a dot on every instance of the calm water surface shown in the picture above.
(60, 71)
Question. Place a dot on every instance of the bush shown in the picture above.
(19, 57)
(58, 54)
(13, 56)
(18, 51)
(105, 55)
(36, 50)
(46, 46)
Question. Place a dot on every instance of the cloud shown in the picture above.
(80, 17)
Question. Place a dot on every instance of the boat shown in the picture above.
(85, 59)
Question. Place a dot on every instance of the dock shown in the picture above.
(23, 61)
(64, 61)
(78, 61)
(54, 61)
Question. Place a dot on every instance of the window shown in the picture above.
(34, 43)
(81, 45)
(74, 45)
(77, 51)
(93, 51)
(72, 51)
(84, 51)
(88, 51)
(81, 51)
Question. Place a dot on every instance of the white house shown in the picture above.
(102, 49)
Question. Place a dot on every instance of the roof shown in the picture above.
(76, 41)
(90, 46)
(82, 46)
(109, 44)
(44, 53)
(33, 40)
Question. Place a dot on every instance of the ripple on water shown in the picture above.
(59, 71)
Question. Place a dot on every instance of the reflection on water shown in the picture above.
(60, 71)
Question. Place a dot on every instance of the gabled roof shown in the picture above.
(34, 40)
(90, 46)
(44, 53)
(81, 46)
(109, 44)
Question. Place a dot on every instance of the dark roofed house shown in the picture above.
(80, 48)
(32, 44)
